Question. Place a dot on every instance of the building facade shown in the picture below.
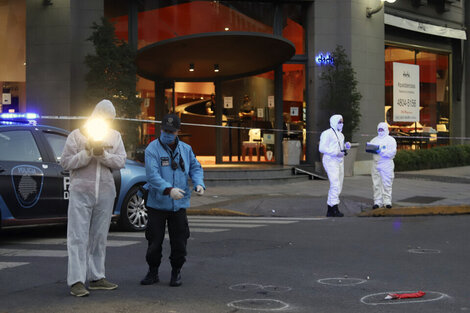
(249, 65)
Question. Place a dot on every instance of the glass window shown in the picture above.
(434, 117)
(57, 143)
(18, 145)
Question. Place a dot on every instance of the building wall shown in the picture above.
(56, 45)
(344, 22)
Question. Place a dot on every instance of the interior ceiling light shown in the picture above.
(191, 67)
(216, 67)
(227, 29)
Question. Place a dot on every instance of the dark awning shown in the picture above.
(236, 54)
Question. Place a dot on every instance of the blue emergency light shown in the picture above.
(15, 116)
(29, 118)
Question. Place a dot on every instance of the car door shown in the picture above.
(55, 142)
(25, 177)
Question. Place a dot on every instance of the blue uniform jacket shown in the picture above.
(160, 174)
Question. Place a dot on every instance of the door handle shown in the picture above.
(65, 172)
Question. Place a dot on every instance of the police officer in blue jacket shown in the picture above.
(168, 164)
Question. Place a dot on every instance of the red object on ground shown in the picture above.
(418, 294)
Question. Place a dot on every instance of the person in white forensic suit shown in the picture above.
(383, 167)
(90, 154)
(334, 149)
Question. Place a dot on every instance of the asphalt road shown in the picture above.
(238, 264)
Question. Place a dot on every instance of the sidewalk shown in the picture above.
(427, 192)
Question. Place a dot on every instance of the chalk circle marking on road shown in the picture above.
(424, 251)
(245, 287)
(379, 298)
(254, 287)
(259, 304)
(341, 281)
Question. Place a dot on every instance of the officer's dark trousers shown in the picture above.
(178, 230)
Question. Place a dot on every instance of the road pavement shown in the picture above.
(246, 264)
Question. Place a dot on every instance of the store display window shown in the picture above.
(432, 128)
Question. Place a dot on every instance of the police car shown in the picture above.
(34, 187)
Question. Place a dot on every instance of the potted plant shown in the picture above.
(342, 97)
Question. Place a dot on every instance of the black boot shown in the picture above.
(337, 213)
(151, 277)
(175, 280)
(330, 212)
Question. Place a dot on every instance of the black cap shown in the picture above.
(171, 122)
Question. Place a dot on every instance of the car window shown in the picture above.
(19, 145)
(57, 143)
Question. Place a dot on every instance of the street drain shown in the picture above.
(341, 281)
(259, 304)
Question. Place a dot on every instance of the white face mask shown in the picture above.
(340, 126)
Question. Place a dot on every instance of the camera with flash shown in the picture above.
(96, 130)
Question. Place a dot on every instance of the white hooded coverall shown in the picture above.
(383, 166)
(92, 194)
(331, 144)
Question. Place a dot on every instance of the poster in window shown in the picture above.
(294, 111)
(6, 98)
(405, 92)
(228, 102)
(270, 101)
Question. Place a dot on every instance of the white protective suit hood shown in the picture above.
(104, 109)
(384, 126)
(334, 119)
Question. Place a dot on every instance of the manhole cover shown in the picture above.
(421, 199)
(379, 298)
(424, 251)
(341, 281)
(259, 304)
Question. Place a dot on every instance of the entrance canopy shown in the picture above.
(233, 54)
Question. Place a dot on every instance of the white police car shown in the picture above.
(34, 187)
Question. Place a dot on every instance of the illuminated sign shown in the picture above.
(324, 59)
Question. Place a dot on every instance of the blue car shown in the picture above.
(34, 187)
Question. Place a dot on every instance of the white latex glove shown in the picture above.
(347, 145)
(199, 190)
(176, 193)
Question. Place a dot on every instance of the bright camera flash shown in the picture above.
(96, 128)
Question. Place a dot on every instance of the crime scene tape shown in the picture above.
(58, 117)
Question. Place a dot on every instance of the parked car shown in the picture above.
(34, 187)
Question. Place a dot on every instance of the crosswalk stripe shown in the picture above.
(254, 218)
(202, 224)
(33, 253)
(4, 265)
(63, 241)
(243, 221)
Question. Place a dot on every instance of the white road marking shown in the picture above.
(63, 241)
(33, 253)
(202, 224)
(4, 265)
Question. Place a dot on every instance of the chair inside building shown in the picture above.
(255, 142)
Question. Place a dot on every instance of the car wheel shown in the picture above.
(134, 215)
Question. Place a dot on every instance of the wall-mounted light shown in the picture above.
(216, 67)
(191, 67)
(370, 11)
(227, 29)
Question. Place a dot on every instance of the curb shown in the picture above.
(418, 210)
